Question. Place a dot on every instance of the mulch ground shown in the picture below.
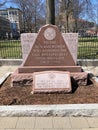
(22, 95)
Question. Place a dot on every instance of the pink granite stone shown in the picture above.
(51, 81)
(49, 49)
(80, 77)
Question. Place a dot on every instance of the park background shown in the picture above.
(71, 16)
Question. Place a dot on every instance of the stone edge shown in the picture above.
(82, 62)
(64, 110)
(10, 62)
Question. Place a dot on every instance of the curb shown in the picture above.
(76, 110)
(82, 62)
(10, 62)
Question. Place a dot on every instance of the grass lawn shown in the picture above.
(10, 49)
(87, 48)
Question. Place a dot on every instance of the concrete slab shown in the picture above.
(93, 122)
(3, 78)
(79, 122)
(91, 129)
(6, 69)
(37, 129)
(61, 122)
(43, 122)
(68, 129)
(26, 122)
(15, 129)
(91, 69)
(8, 122)
(55, 129)
(47, 123)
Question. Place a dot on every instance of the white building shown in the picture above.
(16, 18)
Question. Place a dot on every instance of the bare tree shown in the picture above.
(74, 9)
(32, 13)
(2, 3)
(82, 10)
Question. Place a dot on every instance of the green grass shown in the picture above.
(10, 49)
(87, 48)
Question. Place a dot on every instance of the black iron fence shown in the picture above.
(10, 49)
(87, 48)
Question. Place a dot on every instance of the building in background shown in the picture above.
(5, 28)
(15, 16)
(69, 20)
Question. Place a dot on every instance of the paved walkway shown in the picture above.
(5, 69)
(48, 123)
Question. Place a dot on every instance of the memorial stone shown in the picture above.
(51, 81)
(71, 40)
(49, 50)
(27, 41)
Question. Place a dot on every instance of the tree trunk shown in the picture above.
(67, 23)
(50, 5)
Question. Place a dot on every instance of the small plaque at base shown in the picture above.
(51, 81)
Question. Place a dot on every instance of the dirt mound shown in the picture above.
(22, 95)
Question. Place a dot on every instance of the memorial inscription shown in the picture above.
(49, 49)
(71, 39)
(51, 81)
(49, 53)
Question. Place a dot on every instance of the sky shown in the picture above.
(94, 1)
(8, 4)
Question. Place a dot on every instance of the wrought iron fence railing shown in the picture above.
(10, 49)
(87, 48)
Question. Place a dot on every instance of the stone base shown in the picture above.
(31, 69)
(22, 79)
(18, 79)
(81, 78)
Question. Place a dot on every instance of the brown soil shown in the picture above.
(22, 95)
